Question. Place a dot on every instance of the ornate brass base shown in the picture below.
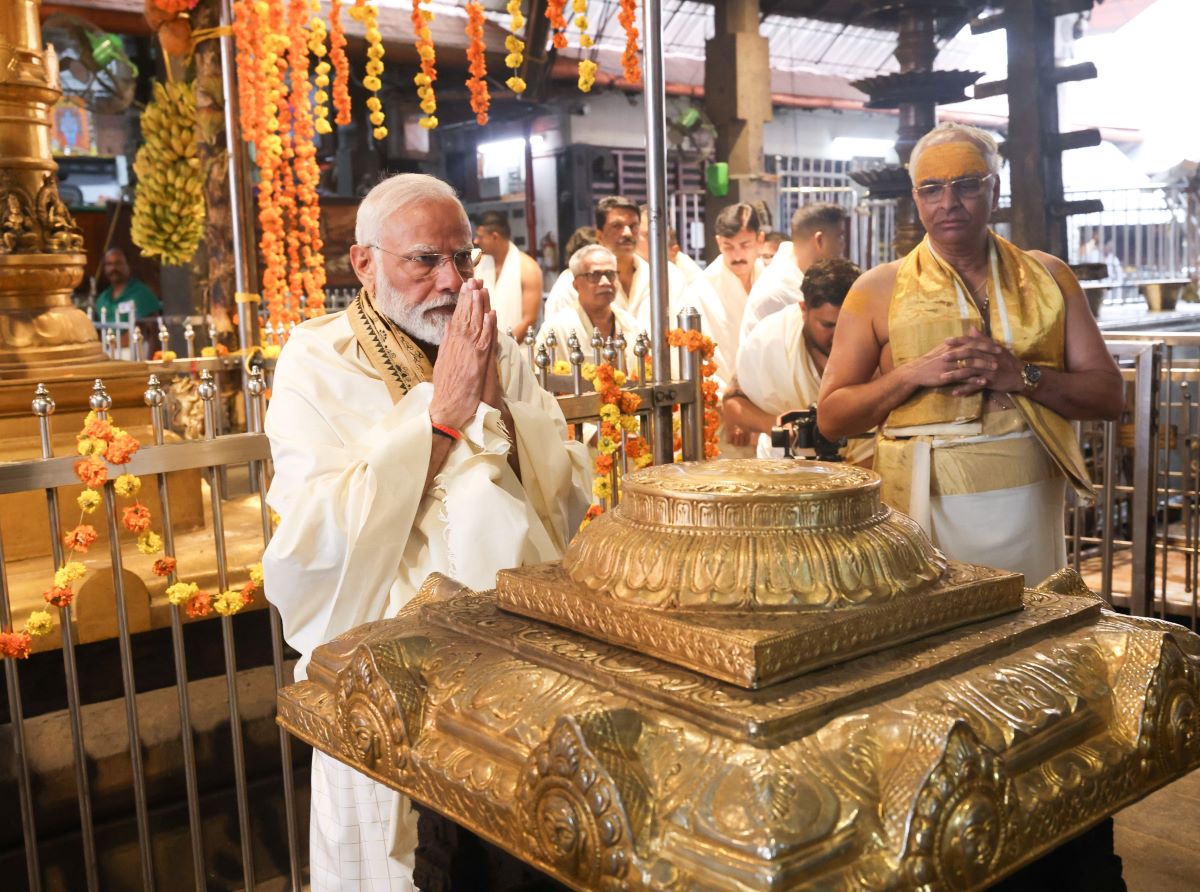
(757, 648)
(940, 764)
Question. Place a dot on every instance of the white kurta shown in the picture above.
(779, 286)
(636, 301)
(573, 318)
(504, 287)
(358, 535)
(688, 267)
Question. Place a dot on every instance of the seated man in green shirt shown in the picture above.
(122, 290)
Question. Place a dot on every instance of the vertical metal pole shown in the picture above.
(101, 403)
(235, 150)
(1145, 409)
(156, 399)
(256, 386)
(1110, 513)
(43, 408)
(16, 717)
(691, 413)
(656, 193)
(208, 394)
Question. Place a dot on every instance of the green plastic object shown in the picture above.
(108, 48)
(717, 179)
(689, 118)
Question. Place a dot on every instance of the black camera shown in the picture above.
(798, 436)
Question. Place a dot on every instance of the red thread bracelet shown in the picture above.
(446, 431)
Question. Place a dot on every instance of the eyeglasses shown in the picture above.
(964, 187)
(596, 275)
(422, 266)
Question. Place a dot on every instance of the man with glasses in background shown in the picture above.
(972, 356)
(409, 437)
(594, 268)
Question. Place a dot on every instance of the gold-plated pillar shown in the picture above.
(41, 248)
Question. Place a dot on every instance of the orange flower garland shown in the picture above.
(101, 444)
(515, 46)
(616, 420)
(554, 13)
(630, 62)
(477, 65)
(694, 341)
(308, 266)
(341, 64)
(425, 78)
(368, 16)
(316, 46)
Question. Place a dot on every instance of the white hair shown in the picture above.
(575, 264)
(395, 194)
(948, 131)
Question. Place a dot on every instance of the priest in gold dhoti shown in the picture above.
(408, 437)
(973, 357)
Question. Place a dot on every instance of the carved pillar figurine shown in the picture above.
(41, 249)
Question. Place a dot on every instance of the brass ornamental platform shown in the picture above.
(945, 762)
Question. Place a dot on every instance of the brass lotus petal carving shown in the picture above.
(753, 535)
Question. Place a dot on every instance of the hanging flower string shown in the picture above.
(476, 64)
(587, 67)
(425, 78)
(341, 65)
(102, 446)
(367, 15)
(554, 13)
(316, 46)
(630, 62)
(694, 341)
(515, 46)
(308, 270)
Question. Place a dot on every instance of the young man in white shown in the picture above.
(512, 278)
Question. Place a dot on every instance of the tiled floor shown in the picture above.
(1158, 839)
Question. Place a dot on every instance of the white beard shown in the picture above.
(414, 320)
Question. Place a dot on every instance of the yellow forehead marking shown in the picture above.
(949, 160)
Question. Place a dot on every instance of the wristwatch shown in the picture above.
(1031, 376)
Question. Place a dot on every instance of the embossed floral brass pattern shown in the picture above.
(942, 764)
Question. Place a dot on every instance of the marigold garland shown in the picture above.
(477, 64)
(316, 46)
(341, 64)
(630, 61)
(617, 420)
(587, 67)
(427, 76)
(367, 14)
(101, 443)
(694, 341)
(554, 13)
(515, 46)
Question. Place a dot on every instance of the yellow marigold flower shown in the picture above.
(228, 603)
(602, 487)
(588, 371)
(514, 44)
(127, 485)
(619, 378)
(208, 351)
(606, 445)
(256, 573)
(586, 41)
(322, 125)
(271, 351)
(373, 103)
(372, 83)
(516, 84)
(150, 542)
(88, 501)
(275, 519)
(68, 573)
(610, 413)
(91, 446)
(179, 593)
(561, 367)
(40, 623)
(429, 123)
(381, 133)
(629, 424)
(168, 356)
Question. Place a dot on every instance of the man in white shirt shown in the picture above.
(818, 233)
(512, 278)
(594, 268)
(771, 244)
(781, 361)
(409, 436)
(617, 229)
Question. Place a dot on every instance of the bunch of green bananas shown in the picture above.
(168, 206)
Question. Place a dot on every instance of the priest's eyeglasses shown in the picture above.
(963, 187)
(423, 266)
(597, 275)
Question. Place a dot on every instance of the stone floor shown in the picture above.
(1158, 839)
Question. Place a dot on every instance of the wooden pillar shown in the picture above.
(737, 99)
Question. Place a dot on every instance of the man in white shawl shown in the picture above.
(512, 278)
(781, 362)
(408, 437)
(594, 268)
(617, 229)
(720, 294)
(818, 233)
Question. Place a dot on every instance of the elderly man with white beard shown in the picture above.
(408, 437)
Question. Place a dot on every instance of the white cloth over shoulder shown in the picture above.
(504, 287)
(574, 319)
(358, 535)
(776, 371)
(780, 285)
(688, 268)
(636, 301)
(719, 297)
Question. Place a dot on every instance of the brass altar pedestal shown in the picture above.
(752, 675)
